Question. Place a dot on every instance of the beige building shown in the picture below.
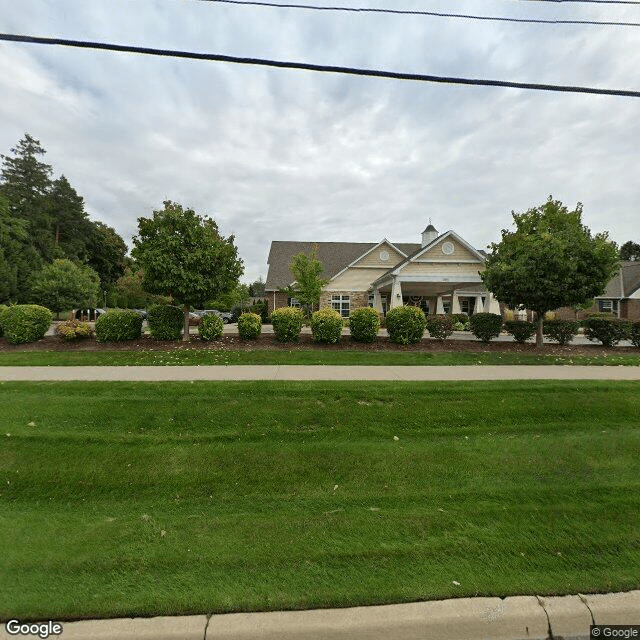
(440, 274)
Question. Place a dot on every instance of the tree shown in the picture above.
(630, 251)
(308, 284)
(63, 285)
(551, 260)
(256, 288)
(26, 182)
(70, 224)
(184, 256)
(106, 253)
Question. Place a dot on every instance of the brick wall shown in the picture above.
(630, 309)
(281, 300)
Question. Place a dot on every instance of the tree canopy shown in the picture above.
(630, 251)
(308, 285)
(63, 285)
(184, 256)
(551, 260)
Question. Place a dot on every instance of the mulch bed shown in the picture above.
(269, 342)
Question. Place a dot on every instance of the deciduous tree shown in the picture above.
(630, 251)
(551, 260)
(184, 256)
(308, 285)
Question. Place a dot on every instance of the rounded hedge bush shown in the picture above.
(210, 327)
(364, 324)
(485, 326)
(165, 321)
(634, 334)
(406, 324)
(73, 330)
(521, 330)
(562, 331)
(326, 326)
(249, 326)
(607, 330)
(287, 323)
(25, 323)
(118, 325)
(441, 327)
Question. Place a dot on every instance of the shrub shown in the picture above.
(521, 330)
(462, 318)
(261, 309)
(326, 326)
(562, 331)
(287, 323)
(210, 327)
(3, 307)
(117, 326)
(25, 323)
(73, 330)
(609, 331)
(249, 326)
(634, 334)
(441, 327)
(485, 326)
(406, 324)
(165, 321)
(364, 324)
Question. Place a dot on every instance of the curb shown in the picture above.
(513, 618)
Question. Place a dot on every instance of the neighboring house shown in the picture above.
(440, 274)
(621, 297)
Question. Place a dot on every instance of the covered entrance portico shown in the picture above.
(436, 295)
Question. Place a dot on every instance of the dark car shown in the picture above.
(225, 316)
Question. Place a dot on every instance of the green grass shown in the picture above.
(197, 355)
(129, 499)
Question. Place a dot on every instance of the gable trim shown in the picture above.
(366, 253)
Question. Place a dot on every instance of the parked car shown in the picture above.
(141, 312)
(225, 316)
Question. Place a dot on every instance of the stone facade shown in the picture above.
(357, 299)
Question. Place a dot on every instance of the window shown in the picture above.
(294, 302)
(341, 304)
(465, 307)
(608, 306)
(383, 301)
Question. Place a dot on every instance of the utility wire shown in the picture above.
(437, 14)
(376, 73)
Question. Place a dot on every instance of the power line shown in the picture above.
(437, 14)
(376, 73)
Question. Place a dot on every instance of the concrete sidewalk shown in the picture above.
(514, 618)
(320, 372)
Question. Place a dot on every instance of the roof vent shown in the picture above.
(429, 235)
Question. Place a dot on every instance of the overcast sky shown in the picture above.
(276, 154)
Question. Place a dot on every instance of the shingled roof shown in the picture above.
(334, 256)
(625, 282)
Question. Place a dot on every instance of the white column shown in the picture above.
(478, 306)
(439, 307)
(487, 302)
(491, 305)
(396, 294)
(455, 302)
(377, 301)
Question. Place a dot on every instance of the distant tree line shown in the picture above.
(43, 221)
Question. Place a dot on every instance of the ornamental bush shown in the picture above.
(25, 323)
(165, 321)
(3, 307)
(249, 326)
(287, 323)
(521, 330)
(118, 325)
(326, 326)
(73, 330)
(210, 327)
(634, 334)
(364, 324)
(609, 331)
(485, 326)
(406, 324)
(441, 327)
(562, 331)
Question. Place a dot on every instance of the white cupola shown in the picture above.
(429, 235)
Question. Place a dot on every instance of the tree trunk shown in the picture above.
(185, 335)
(539, 339)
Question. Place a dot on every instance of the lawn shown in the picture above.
(197, 355)
(129, 499)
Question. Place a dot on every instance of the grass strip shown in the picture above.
(200, 356)
(127, 499)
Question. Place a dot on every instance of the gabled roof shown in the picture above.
(625, 282)
(366, 253)
(334, 256)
